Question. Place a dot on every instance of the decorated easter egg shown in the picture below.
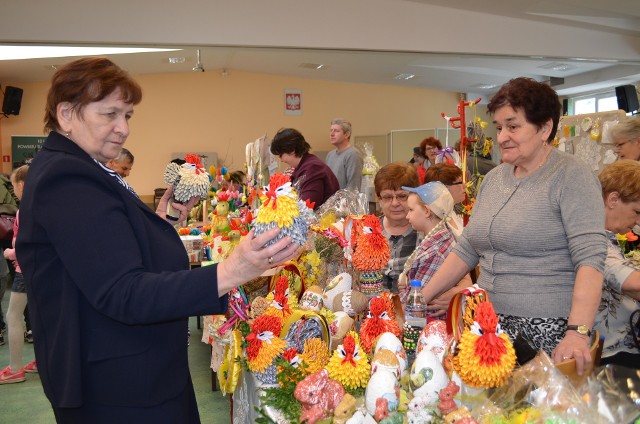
(311, 299)
(427, 374)
(338, 284)
(434, 337)
(352, 302)
(390, 342)
(383, 384)
(385, 359)
(339, 327)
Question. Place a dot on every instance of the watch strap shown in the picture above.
(580, 329)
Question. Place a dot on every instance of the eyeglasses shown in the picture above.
(401, 197)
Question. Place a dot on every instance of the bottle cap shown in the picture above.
(416, 283)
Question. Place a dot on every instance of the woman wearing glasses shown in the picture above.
(403, 239)
(626, 138)
(429, 148)
(620, 183)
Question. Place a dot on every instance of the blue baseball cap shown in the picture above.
(435, 195)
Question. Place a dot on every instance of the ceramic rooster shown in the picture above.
(189, 179)
(370, 254)
(263, 343)
(377, 322)
(485, 355)
(280, 304)
(282, 208)
(349, 364)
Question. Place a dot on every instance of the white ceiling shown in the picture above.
(461, 71)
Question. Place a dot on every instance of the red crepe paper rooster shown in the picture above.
(280, 304)
(264, 343)
(370, 254)
(377, 322)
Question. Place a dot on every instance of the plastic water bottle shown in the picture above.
(416, 309)
(415, 317)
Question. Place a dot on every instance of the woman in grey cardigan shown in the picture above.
(536, 230)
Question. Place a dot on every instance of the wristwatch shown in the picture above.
(580, 329)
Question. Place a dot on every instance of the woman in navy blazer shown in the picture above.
(108, 279)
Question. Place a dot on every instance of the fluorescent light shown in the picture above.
(404, 76)
(38, 52)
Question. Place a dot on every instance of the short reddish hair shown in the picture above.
(395, 175)
(85, 81)
(443, 172)
(429, 141)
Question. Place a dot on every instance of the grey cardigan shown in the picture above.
(530, 236)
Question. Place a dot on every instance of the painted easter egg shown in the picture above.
(434, 337)
(427, 374)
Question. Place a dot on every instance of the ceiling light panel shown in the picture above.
(37, 52)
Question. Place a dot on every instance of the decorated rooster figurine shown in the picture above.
(349, 364)
(263, 343)
(370, 254)
(189, 179)
(281, 208)
(485, 355)
(280, 304)
(377, 322)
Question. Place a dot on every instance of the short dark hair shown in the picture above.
(289, 140)
(538, 101)
(85, 81)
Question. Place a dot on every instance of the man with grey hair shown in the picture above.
(122, 164)
(345, 160)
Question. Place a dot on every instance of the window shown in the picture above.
(599, 102)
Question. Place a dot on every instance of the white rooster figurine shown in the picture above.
(189, 180)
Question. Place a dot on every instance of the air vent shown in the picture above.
(316, 66)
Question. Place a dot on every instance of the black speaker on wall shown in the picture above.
(627, 98)
(12, 100)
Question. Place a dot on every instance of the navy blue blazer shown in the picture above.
(108, 284)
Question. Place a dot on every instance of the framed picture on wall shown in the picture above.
(292, 101)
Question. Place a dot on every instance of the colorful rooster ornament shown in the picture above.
(378, 321)
(485, 355)
(282, 208)
(189, 179)
(264, 346)
(370, 254)
(349, 364)
(279, 306)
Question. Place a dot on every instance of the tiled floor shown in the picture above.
(26, 403)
